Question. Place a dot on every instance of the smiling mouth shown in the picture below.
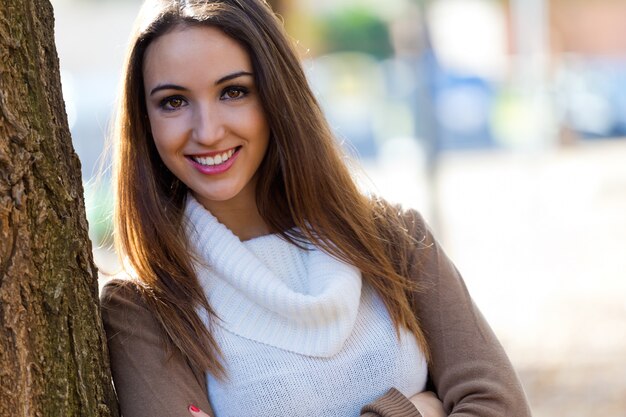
(218, 159)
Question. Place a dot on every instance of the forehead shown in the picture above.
(196, 53)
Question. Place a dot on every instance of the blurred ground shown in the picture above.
(540, 238)
(545, 257)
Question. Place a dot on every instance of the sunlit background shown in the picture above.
(503, 122)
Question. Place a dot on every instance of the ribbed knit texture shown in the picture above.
(313, 317)
(299, 335)
(393, 403)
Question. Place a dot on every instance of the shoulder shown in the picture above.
(406, 227)
(125, 311)
(408, 219)
(121, 289)
(415, 225)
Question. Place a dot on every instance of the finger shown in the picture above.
(196, 412)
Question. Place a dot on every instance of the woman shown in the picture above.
(264, 283)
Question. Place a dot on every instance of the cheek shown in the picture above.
(168, 134)
(258, 127)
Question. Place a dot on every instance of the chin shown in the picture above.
(217, 197)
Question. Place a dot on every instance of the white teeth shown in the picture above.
(215, 160)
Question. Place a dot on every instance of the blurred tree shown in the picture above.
(53, 359)
(356, 29)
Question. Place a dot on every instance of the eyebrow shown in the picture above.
(218, 82)
(233, 76)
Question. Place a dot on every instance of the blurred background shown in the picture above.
(503, 122)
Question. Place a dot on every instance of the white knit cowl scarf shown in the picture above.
(252, 302)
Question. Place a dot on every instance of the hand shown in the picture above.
(196, 412)
(428, 404)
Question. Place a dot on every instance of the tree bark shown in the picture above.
(53, 358)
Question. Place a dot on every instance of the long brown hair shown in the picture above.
(304, 191)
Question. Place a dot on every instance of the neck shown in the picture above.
(245, 224)
(240, 215)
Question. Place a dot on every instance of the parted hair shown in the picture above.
(305, 191)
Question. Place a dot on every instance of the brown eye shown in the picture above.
(172, 103)
(234, 93)
(175, 103)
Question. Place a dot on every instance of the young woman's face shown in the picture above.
(205, 113)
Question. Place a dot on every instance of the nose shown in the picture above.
(208, 125)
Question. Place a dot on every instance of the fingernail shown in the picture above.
(193, 408)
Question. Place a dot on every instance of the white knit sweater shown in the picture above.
(300, 337)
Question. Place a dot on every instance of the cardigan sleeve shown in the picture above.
(148, 381)
(392, 404)
(469, 369)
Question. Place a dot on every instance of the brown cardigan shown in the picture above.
(469, 371)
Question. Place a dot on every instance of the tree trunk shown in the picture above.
(53, 358)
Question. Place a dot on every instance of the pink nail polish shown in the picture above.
(194, 408)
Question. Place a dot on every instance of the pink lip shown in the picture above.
(214, 169)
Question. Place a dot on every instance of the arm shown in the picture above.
(469, 369)
(147, 383)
